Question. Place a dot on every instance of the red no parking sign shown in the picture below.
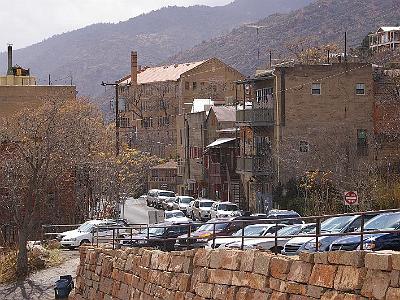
(351, 198)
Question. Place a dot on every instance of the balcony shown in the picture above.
(255, 117)
(258, 166)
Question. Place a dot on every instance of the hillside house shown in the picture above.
(385, 38)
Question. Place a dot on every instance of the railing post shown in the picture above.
(213, 244)
(242, 245)
(317, 234)
(276, 238)
(189, 233)
(113, 238)
(97, 236)
(362, 231)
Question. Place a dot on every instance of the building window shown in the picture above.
(360, 89)
(304, 146)
(264, 95)
(316, 89)
(194, 86)
(362, 144)
(187, 85)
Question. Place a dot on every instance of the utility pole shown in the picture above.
(116, 85)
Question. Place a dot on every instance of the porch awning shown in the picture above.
(220, 142)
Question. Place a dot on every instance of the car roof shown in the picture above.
(226, 202)
(205, 200)
(165, 191)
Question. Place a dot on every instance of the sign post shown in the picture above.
(351, 198)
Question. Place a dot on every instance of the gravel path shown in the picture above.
(40, 285)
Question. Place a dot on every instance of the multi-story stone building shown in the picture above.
(301, 118)
(156, 96)
(18, 90)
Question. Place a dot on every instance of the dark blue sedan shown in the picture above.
(375, 242)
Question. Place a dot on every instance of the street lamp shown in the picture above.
(116, 85)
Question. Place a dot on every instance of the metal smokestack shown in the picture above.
(10, 63)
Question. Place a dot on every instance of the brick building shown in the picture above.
(301, 118)
(163, 177)
(155, 96)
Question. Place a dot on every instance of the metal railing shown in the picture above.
(187, 240)
(256, 116)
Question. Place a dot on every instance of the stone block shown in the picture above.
(315, 291)
(219, 292)
(298, 297)
(277, 284)
(395, 278)
(230, 260)
(280, 267)
(204, 290)
(396, 260)
(300, 271)
(347, 258)
(202, 258)
(247, 260)
(306, 257)
(321, 258)
(378, 261)
(245, 294)
(220, 276)
(262, 262)
(323, 275)
(279, 296)
(163, 261)
(376, 284)
(349, 278)
(296, 288)
(393, 293)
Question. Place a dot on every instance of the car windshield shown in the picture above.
(335, 224)
(86, 227)
(155, 231)
(186, 200)
(174, 214)
(210, 227)
(384, 222)
(206, 204)
(166, 194)
(251, 230)
(228, 207)
(291, 230)
(308, 229)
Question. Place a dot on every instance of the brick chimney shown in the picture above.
(10, 70)
(134, 67)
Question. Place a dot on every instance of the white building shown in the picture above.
(385, 38)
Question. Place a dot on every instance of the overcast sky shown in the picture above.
(25, 22)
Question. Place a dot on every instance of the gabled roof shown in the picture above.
(163, 73)
(224, 113)
(388, 28)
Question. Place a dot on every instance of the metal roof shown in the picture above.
(225, 113)
(388, 28)
(220, 141)
(163, 73)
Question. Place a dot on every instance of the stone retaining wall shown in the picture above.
(214, 274)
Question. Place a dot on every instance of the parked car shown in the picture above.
(254, 230)
(377, 241)
(155, 236)
(224, 210)
(168, 204)
(282, 237)
(88, 232)
(176, 216)
(151, 197)
(163, 196)
(182, 203)
(201, 209)
(334, 224)
(342, 224)
(206, 232)
(285, 214)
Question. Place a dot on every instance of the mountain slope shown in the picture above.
(101, 51)
(321, 22)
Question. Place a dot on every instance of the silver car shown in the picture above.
(182, 202)
(202, 210)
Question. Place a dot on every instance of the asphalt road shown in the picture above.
(136, 211)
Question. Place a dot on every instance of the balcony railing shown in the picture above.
(261, 166)
(256, 117)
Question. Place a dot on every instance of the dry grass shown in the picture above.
(38, 259)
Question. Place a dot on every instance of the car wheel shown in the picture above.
(85, 242)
